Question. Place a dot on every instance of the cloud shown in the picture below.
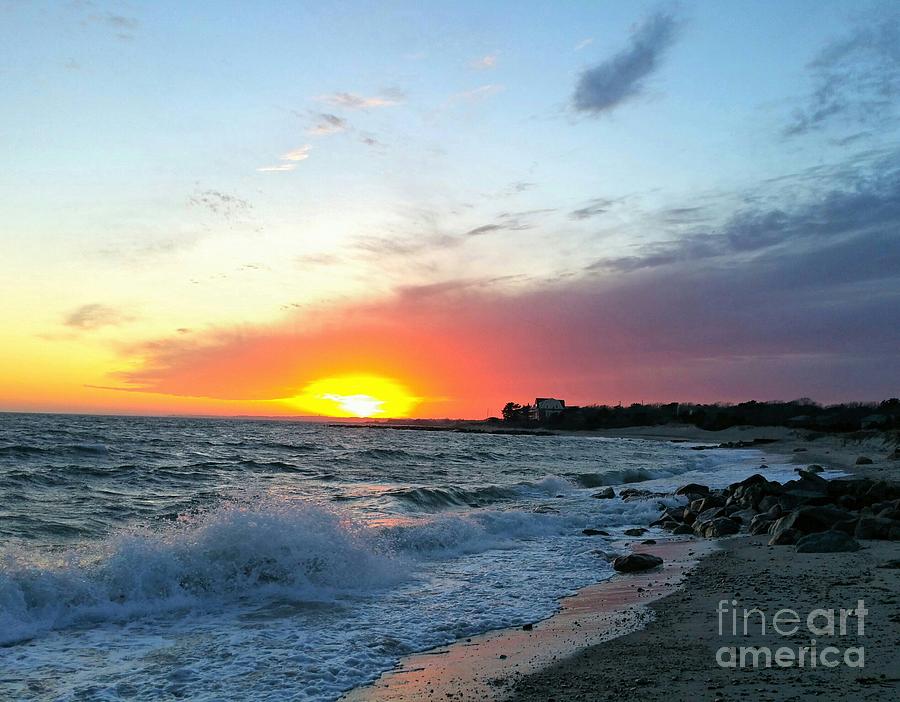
(291, 158)
(595, 207)
(858, 204)
(95, 316)
(510, 221)
(278, 168)
(484, 229)
(123, 26)
(486, 62)
(856, 79)
(584, 43)
(299, 154)
(623, 76)
(352, 101)
(476, 94)
(326, 124)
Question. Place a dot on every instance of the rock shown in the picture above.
(706, 503)
(744, 516)
(606, 493)
(785, 538)
(810, 520)
(864, 461)
(813, 480)
(760, 524)
(877, 528)
(639, 531)
(594, 532)
(775, 511)
(527, 627)
(715, 528)
(636, 562)
(692, 489)
(827, 542)
(800, 449)
(648, 542)
(815, 468)
(847, 502)
(893, 564)
(683, 529)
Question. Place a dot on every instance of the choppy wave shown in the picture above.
(291, 549)
(263, 549)
(447, 497)
(31, 449)
(627, 475)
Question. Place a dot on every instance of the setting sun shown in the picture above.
(356, 396)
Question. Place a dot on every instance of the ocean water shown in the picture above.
(167, 558)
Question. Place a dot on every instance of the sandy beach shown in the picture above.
(651, 638)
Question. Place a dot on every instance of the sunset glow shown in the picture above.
(355, 396)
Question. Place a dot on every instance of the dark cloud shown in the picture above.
(622, 77)
(484, 229)
(94, 316)
(860, 203)
(326, 123)
(856, 79)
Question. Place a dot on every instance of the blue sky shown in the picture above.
(208, 166)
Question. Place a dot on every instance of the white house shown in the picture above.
(546, 407)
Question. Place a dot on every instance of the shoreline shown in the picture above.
(534, 672)
(478, 667)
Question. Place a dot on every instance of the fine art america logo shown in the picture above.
(821, 631)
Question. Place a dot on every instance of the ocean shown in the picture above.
(226, 559)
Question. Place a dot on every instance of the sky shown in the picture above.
(430, 209)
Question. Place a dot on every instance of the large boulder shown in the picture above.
(606, 493)
(715, 528)
(810, 520)
(877, 528)
(639, 531)
(864, 461)
(785, 538)
(760, 524)
(827, 542)
(692, 489)
(636, 562)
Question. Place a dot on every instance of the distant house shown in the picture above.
(546, 407)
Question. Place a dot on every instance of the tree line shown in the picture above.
(803, 414)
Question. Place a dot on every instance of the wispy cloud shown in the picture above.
(476, 94)
(290, 159)
(278, 168)
(485, 63)
(595, 207)
(299, 154)
(856, 79)
(352, 101)
(623, 76)
(583, 44)
(326, 124)
(124, 27)
(95, 316)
